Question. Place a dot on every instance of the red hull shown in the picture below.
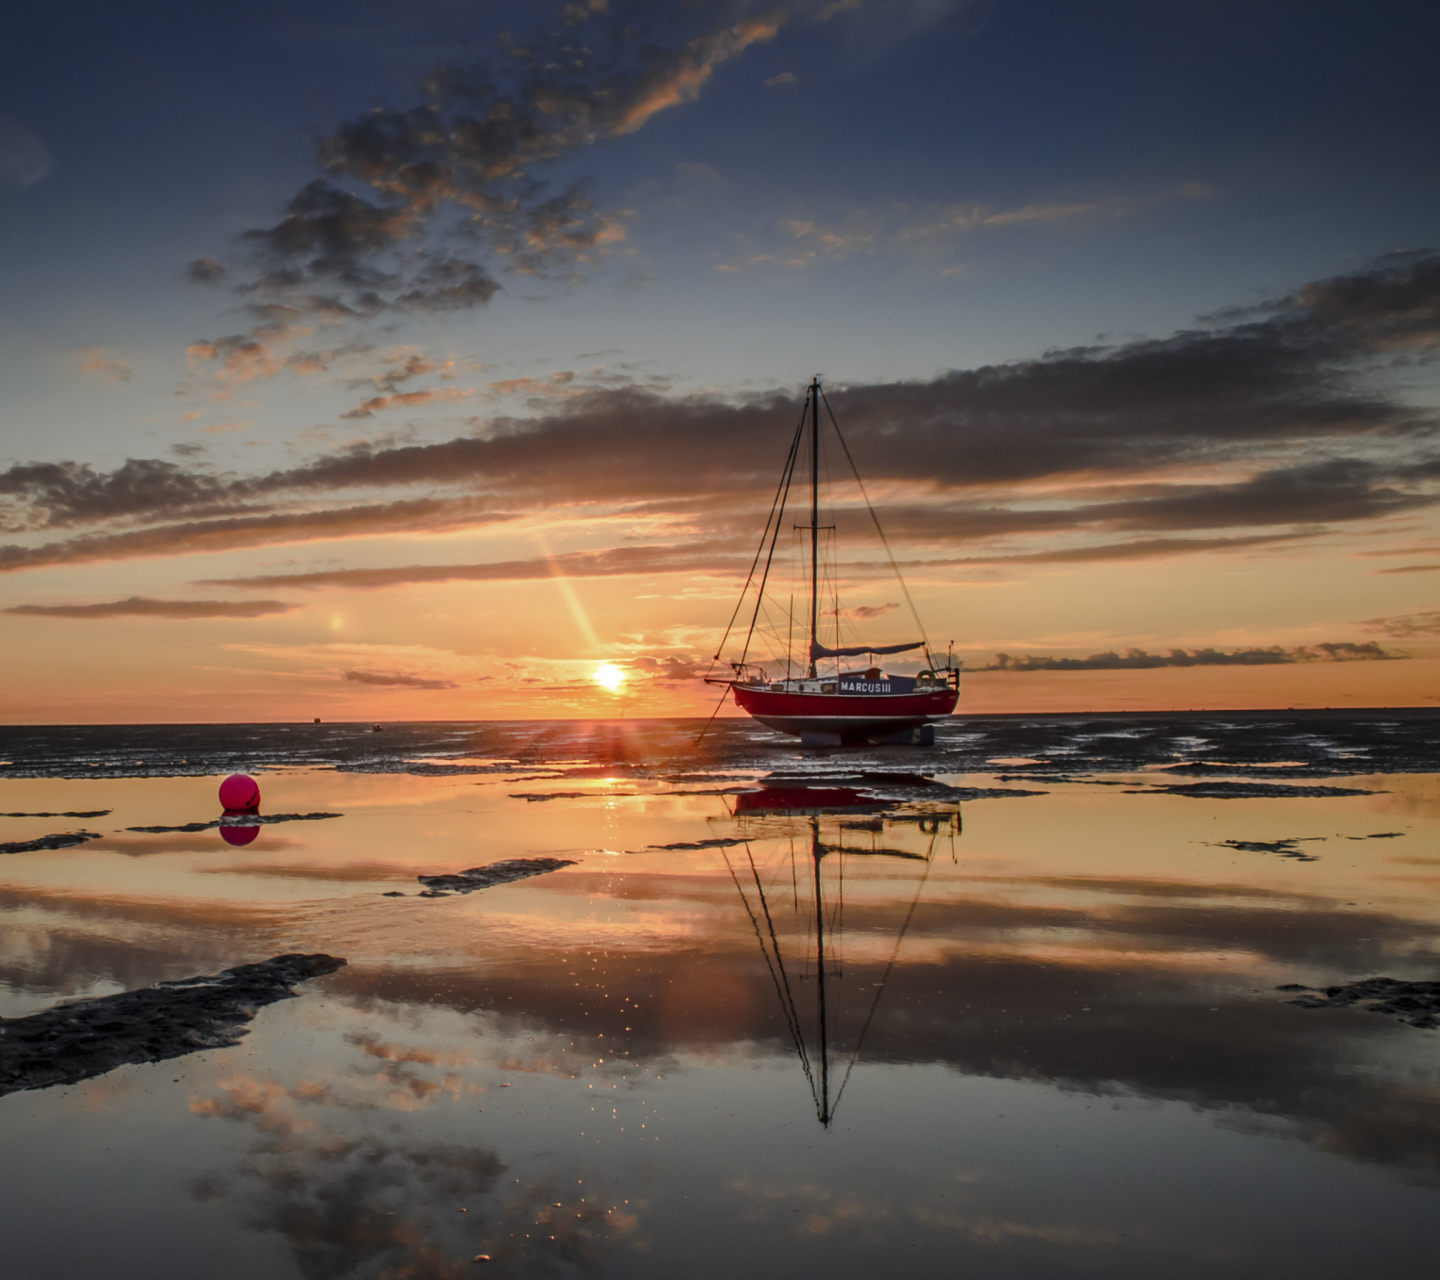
(850, 717)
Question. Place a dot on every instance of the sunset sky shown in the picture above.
(389, 361)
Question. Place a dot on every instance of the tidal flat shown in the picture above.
(1011, 1006)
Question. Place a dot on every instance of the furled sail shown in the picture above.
(818, 650)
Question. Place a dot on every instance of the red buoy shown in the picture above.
(240, 791)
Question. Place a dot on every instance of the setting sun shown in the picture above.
(609, 676)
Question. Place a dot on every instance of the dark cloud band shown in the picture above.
(144, 607)
(1139, 660)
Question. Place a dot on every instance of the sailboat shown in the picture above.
(830, 707)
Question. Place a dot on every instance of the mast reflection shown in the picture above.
(811, 924)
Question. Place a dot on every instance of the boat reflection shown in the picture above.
(801, 932)
(807, 800)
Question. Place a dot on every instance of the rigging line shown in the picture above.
(791, 1018)
(781, 498)
(700, 737)
(783, 485)
(885, 979)
(780, 962)
(884, 541)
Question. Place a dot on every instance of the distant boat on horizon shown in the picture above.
(829, 708)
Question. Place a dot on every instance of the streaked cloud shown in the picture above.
(24, 158)
(559, 385)
(145, 607)
(1140, 660)
(1424, 622)
(263, 352)
(409, 400)
(105, 364)
(899, 228)
(616, 562)
(204, 271)
(203, 536)
(57, 494)
(1137, 549)
(397, 679)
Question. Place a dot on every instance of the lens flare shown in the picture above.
(609, 676)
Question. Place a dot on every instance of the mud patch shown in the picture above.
(1249, 791)
(63, 840)
(87, 813)
(488, 876)
(1415, 1003)
(534, 797)
(1285, 848)
(74, 1042)
(238, 820)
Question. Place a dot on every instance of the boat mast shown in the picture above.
(816, 853)
(814, 518)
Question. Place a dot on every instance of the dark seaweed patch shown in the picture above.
(239, 820)
(1285, 848)
(1415, 1003)
(534, 797)
(1058, 777)
(487, 876)
(86, 1038)
(1248, 791)
(87, 813)
(64, 840)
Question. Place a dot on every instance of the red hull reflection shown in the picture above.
(806, 800)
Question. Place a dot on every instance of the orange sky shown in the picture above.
(485, 650)
(325, 413)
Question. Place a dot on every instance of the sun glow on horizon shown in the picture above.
(609, 676)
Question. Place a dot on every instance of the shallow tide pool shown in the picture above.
(871, 1013)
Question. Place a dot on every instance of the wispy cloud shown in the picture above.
(422, 207)
(556, 386)
(397, 679)
(900, 228)
(1140, 660)
(204, 271)
(105, 364)
(264, 351)
(24, 158)
(409, 400)
(1136, 549)
(616, 562)
(202, 536)
(145, 607)
(1425, 622)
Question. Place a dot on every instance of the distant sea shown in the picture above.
(1310, 741)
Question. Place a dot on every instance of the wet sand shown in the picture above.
(1054, 1038)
